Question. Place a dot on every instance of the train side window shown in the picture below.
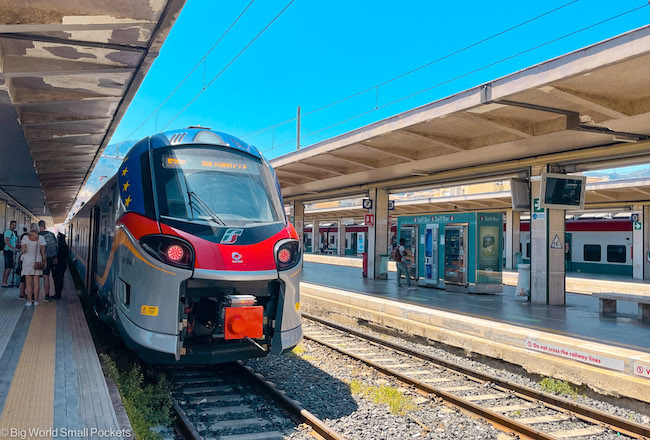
(616, 253)
(592, 252)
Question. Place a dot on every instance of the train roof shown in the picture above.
(194, 136)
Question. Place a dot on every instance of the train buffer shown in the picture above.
(608, 302)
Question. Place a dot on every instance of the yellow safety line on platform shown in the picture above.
(30, 402)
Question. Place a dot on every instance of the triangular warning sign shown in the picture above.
(556, 243)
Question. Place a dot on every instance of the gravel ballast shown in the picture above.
(503, 374)
(319, 378)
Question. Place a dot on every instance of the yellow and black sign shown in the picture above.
(149, 310)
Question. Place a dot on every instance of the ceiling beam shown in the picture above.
(642, 191)
(494, 124)
(316, 167)
(567, 95)
(61, 122)
(45, 73)
(600, 194)
(432, 139)
(352, 161)
(390, 153)
(70, 42)
(297, 174)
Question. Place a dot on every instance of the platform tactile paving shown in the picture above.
(29, 404)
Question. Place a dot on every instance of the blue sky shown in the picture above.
(319, 52)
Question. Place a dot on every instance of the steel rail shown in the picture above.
(294, 408)
(583, 412)
(182, 424)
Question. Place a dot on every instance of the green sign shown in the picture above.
(536, 206)
(637, 226)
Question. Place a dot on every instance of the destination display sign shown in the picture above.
(203, 162)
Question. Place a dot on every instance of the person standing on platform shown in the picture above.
(34, 261)
(19, 269)
(51, 251)
(10, 240)
(402, 268)
(59, 268)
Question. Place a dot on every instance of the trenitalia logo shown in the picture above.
(231, 236)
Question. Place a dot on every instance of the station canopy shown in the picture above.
(68, 71)
(605, 195)
(598, 96)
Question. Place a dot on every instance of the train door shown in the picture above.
(567, 252)
(353, 243)
(456, 254)
(410, 235)
(431, 254)
(93, 243)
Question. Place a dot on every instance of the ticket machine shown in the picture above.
(430, 277)
(456, 255)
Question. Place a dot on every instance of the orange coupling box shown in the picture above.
(240, 322)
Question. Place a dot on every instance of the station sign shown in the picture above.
(367, 204)
(637, 226)
(347, 221)
(391, 205)
(576, 355)
(370, 220)
(635, 217)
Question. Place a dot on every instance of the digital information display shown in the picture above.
(560, 191)
(197, 162)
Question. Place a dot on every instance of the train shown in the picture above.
(592, 245)
(188, 254)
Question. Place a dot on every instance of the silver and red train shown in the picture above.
(187, 251)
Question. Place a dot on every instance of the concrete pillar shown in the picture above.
(297, 219)
(512, 238)
(341, 238)
(378, 233)
(547, 229)
(646, 242)
(637, 245)
(315, 237)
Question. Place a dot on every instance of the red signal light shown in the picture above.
(175, 252)
(284, 256)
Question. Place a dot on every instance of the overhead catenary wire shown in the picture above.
(402, 75)
(464, 75)
(230, 63)
(201, 61)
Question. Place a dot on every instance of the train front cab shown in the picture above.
(182, 288)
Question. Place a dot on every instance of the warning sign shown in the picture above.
(576, 355)
(642, 370)
(556, 243)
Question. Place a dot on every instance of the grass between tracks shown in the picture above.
(558, 387)
(397, 402)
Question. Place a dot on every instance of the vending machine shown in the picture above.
(456, 254)
(430, 277)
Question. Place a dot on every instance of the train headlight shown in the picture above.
(170, 250)
(175, 253)
(287, 254)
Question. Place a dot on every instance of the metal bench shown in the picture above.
(608, 302)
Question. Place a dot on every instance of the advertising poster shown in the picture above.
(489, 255)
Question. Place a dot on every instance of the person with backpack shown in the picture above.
(51, 251)
(398, 254)
(60, 266)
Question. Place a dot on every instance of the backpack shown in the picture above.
(396, 255)
(51, 246)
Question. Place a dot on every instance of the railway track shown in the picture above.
(513, 408)
(234, 403)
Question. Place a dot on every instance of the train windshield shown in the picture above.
(217, 186)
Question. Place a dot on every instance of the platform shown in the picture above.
(576, 282)
(502, 326)
(50, 374)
